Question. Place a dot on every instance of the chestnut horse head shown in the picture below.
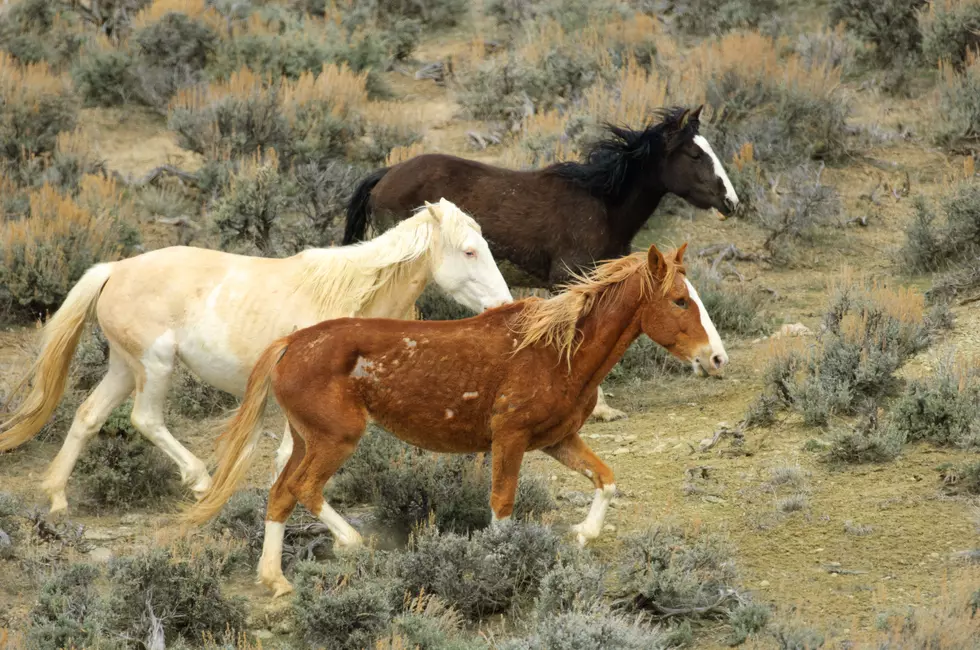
(675, 318)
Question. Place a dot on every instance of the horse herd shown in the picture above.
(330, 332)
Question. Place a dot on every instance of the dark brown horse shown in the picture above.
(564, 217)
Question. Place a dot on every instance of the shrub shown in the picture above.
(891, 27)
(483, 574)
(570, 14)
(598, 630)
(343, 605)
(949, 29)
(173, 51)
(432, 13)
(932, 244)
(644, 360)
(37, 106)
(105, 75)
(962, 479)
(865, 444)
(575, 583)
(192, 398)
(789, 112)
(956, 121)
(714, 17)
(870, 331)
(733, 309)
(428, 624)
(408, 486)
(791, 636)
(10, 511)
(433, 304)
(747, 620)
(942, 409)
(122, 469)
(663, 569)
(180, 585)
(68, 610)
(45, 254)
(833, 48)
(322, 193)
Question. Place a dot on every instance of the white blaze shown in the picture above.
(717, 347)
(719, 170)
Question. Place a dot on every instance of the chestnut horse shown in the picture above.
(216, 312)
(519, 377)
(554, 222)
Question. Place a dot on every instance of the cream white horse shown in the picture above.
(216, 312)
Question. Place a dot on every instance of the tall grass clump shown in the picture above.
(950, 29)
(45, 253)
(37, 105)
(789, 111)
(35, 31)
(956, 122)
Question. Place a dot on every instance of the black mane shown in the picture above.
(611, 164)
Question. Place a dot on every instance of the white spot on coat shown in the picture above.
(449, 414)
(471, 395)
(363, 368)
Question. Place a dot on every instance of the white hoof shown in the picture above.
(608, 414)
(584, 533)
(347, 543)
(58, 503)
(201, 487)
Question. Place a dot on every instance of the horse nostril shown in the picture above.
(717, 361)
(730, 205)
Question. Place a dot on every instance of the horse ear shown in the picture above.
(431, 209)
(696, 115)
(682, 120)
(679, 255)
(656, 262)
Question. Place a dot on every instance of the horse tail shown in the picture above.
(237, 444)
(59, 338)
(357, 208)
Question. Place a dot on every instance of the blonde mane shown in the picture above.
(554, 321)
(343, 281)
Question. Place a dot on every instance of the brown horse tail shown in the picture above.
(59, 338)
(357, 209)
(236, 446)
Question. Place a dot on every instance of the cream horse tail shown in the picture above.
(59, 338)
(237, 444)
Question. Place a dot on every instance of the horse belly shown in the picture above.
(215, 364)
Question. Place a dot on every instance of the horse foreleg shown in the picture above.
(281, 505)
(572, 452)
(506, 456)
(603, 411)
(112, 391)
(158, 365)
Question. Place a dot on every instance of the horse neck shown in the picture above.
(399, 287)
(630, 214)
(607, 331)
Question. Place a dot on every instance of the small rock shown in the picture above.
(934, 555)
(100, 554)
(713, 499)
(262, 634)
(610, 528)
(764, 583)
(106, 534)
(629, 438)
(594, 436)
(794, 329)
(621, 451)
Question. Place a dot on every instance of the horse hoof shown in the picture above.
(278, 584)
(609, 415)
(59, 504)
(583, 534)
(347, 546)
(201, 487)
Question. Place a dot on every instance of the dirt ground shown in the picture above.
(804, 563)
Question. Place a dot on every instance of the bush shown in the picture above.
(37, 106)
(173, 52)
(598, 630)
(35, 31)
(574, 584)
(789, 112)
(747, 620)
(432, 13)
(949, 29)
(343, 605)
(68, 612)
(891, 27)
(43, 255)
(962, 479)
(833, 48)
(733, 310)
(428, 624)
(664, 568)
(483, 574)
(106, 76)
(10, 511)
(932, 244)
(122, 469)
(942, 409)
(644, 360)
(570, 14)
(180, 586)
(714, 17)
(870, 331)
(865, 444)
(433, 304)
(797, 637)
(956, 121)
(408, 486)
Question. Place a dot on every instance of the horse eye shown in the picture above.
(681, 302)
(469, 252)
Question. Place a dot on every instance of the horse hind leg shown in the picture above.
(158, 366)
(281, 504)
(572, 452)
(283, 453)
(112, 391)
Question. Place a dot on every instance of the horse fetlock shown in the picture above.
(274, 580)
(199, 480)
(585, 532)
(348, 541)
(59, 503)
(606, 413)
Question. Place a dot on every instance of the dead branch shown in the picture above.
(716, 607)
(169, 170)
(723, 430)
(861, 221)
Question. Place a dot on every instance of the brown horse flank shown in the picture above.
(518, 377)
(557, 221)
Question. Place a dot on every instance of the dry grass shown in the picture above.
(401, 154)
(631, 99)
(27, 84)
(196, 9)
(241, 84)
(337, 86)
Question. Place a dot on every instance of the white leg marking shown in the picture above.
(158, 364)
(283, 453)
(270, 564)
(112, 391)
(603, 411)
(719, 169)
(714, 339)
(343, 533)
(592, 526)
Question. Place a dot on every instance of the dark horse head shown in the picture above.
(669, 156)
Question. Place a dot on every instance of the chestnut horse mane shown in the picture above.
(610, 164)
(554, 321)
